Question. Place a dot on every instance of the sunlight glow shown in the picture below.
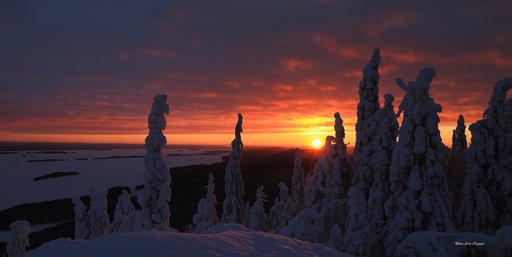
(317, 143)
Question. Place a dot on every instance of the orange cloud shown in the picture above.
(293, 64)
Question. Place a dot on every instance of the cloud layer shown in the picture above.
(92, 68)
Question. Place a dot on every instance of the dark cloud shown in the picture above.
(98, 63)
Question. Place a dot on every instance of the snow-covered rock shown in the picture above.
(227, 240)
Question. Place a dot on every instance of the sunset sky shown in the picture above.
(87, 72)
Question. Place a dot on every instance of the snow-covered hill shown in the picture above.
(222, 240)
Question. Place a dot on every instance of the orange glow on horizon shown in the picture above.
(303, 140)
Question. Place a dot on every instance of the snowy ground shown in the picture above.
(16, 175)
(222, 240)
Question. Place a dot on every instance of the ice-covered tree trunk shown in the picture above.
(488, 184)
(81, 219)
(297, 198)
(258, 217)
(417, 178)
(206, 215)
(279, 214)
(368, 106)
(124, 215)
(233, 209)
(356, 236)
(384, 125)
(157, 193)
(16, 246)
(98, 217)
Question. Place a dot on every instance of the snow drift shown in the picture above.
(221, 240)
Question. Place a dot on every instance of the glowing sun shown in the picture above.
(316, 143)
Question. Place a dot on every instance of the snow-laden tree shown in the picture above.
(368, 106)
(319, 188)
(336, 237)
(459, 141)
(17, 244)
(297, 197)
(356, 235)
(258, 217)
(206, 215)
(418, 181)
(157, 178)
(279, 214)
(233, 209)
(324, 205)
(125, 216)
(326, 181)
(488, 183)
(384, 125)
(97, 214)
(81, 219)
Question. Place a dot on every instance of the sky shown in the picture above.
(86, 71)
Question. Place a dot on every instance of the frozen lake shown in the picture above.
(18, 170)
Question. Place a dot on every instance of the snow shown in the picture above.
(156, 193)
(368, 105)
(206, 215)
(427, 244)
(420, 197)
(223, 240)
(16, 246)
(98, 220)
(233, 208)
(257, 214)
(99, 173)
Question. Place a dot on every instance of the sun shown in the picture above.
(316, 143)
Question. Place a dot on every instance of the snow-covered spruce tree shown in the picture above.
(297, 198)
(124, 214)
(417, 178)
(206, 215)
(368, 106)
(384, 125)
(459, 141)
(233, 209)
(16, 246)
(319, 190)
(325, 207)
(97, 214)
(488, 184)
(356, 236)
(81, 219)
(279, 214)
(456, 160)
(157, 193)
(258, 217)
